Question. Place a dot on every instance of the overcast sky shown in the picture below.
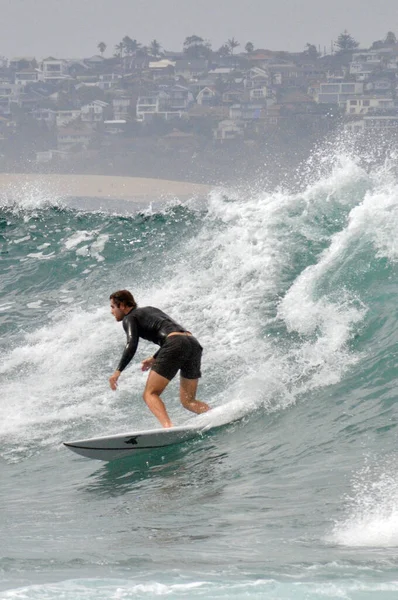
(73, 28)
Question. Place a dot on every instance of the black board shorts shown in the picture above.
(179, 353)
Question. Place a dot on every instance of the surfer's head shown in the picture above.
(122, 302)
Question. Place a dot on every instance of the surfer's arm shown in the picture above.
(131, 329)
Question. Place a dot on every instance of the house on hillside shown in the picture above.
(94, 61)
(180, 97)
(26, 76)
(373, 123)
(52, 69)
(296, 102)
(65, 117)
(19, 63)
(122, 107)
(159, 104)
(108, 80)
(364, 104)
(258, 93)
(208, 96)
(9, 93)
(68, 138)
(45, 115)
(380, 85)
(229, 129)
(256, 77)
(160, 68)
(246, 111)
(233, 96)
(115, 127)
(261, 58)
(77, 68)
(191, 69)
(338, 93)
(93, 112)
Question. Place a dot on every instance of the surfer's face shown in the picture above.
(117, 311)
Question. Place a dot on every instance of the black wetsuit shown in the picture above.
(176, 352)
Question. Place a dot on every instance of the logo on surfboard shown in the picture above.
(132, 440)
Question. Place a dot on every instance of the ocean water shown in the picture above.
(292, 291)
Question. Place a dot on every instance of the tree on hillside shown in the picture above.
(129, 45)
(345, 41)
(88, 94)
(119, 49)
(249, 47)
(377, 44)
(155, 48)
(101, 47)
(390, 39)
(196, 47)
(224, 50)
(233, 43)
(311, 51)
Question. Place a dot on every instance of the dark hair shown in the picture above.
(125, 297)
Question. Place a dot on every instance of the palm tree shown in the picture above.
(119, 48)
(249, 47)
(129, 45)
(224, 50)
(233, 43)
(102, 47)
(155, 48)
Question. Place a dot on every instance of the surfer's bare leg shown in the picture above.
(155, 385)
(188, 389)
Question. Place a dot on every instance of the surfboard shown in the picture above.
(110, 447)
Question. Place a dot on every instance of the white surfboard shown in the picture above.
(109, 447)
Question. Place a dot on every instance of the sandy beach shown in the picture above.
(101, 186)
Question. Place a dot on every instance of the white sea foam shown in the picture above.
(256, 589)
(372, 508)
(29, 196)
(93, 249)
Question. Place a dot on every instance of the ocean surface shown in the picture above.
(292, 292)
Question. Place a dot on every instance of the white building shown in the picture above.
(52, 69)
(45, 115)
(363, 104)
(68, 138)
(65, 117)
(93, 112)
(26, 76)
(122, 107)
(108, 80)
(228, 130)
(258, 93)
(168, 105)
(337, 93)
(115, 126)
(9, 93)
(373, 123)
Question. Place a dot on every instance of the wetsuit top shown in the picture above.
(148, 323)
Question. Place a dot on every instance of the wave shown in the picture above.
(278, 285)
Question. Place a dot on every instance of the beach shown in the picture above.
(101, 186)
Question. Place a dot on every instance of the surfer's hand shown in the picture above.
(113, 380)
(147, 363)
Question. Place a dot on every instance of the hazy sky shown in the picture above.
(73, 28)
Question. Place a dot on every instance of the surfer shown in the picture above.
(179, 351)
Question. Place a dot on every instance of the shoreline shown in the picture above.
(101, 187)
